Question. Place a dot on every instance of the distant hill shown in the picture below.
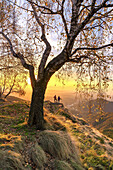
(99, 113)
(67, 143)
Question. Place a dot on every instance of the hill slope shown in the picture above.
(98, 113)
(67, 143)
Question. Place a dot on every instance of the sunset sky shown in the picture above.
(67, 92)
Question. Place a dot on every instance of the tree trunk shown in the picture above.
(36, 110)
(9, 91)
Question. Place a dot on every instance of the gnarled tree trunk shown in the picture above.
(36, 116)
(36, 110)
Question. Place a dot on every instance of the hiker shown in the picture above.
(55, 98)
(59, 98)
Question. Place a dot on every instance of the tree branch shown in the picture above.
(20, 6)
(44, 39)
(44, 8)
(91, 13)
(63, 18)
(92, 48)
(8, 67)
(10, 44)
(21, 57)
(75, 14)
(78, 59)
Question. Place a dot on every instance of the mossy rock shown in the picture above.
(38, 156)
(61, 165)
(58, 144)
(10, 160)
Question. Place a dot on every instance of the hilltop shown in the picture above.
(67, 143)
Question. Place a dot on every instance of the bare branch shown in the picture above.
(91, 13)
(10, 44)
(108, 5)
(75, 14)
(44, 8)
(93, 4)
(78, 59)
(63, 18)
(21, 57)
(20, 6)
(44, 39)
(92, 48)
(8, 67)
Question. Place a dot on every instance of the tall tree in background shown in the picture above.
(76, 25)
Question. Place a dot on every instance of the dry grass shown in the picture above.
(61, 165)
(58, 144)
(95, 150)
(10, 160)
(38, 156)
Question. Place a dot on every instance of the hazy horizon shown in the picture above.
(67, 94)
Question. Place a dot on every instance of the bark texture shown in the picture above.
(36, 110)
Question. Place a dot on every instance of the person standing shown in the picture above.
(55, 98)
(59, 98)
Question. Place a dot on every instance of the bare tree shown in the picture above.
(77, 26)
(13, 80)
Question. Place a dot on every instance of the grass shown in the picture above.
(108, 132)
(100, 139)
(54, 146)
(10, 160)
(61, 165)
(57, 144)
(38, 156)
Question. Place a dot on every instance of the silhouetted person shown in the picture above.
(59, 99)
(55, 98)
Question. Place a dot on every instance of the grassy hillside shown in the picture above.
(100, 115)
(67, 143)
